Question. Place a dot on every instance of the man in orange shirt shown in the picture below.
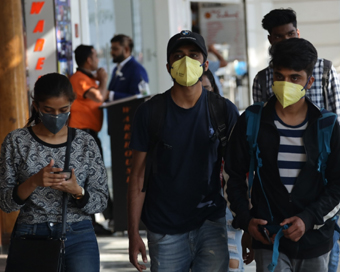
(85, 112)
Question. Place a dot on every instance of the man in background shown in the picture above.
(129, 77)
(281, 24)
(85, 112)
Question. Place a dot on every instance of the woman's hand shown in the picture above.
(47, 176)
(70, 186)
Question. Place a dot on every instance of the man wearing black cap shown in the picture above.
(182, 208)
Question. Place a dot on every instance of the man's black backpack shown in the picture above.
(327, 66)
(218, 115)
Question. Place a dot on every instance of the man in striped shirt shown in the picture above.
(288, 189)
(281, 24)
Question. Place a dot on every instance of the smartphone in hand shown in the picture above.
(67, 173)
(264, 233)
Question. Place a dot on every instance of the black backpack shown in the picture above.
(218, 114)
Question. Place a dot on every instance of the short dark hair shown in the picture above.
(295, 53)
(279, 17)
(211, 78)
(82, 52)
(123, 40)
(48, 86)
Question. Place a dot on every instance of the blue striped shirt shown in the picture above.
(292, 155)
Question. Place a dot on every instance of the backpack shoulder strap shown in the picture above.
(327, 66)
(253, 118)
(262, 78)
(325, 129)
(218, 114)
(157, 106)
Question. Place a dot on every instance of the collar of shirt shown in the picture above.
(121, 65)
(89, 74)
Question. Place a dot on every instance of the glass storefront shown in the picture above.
(223, 27)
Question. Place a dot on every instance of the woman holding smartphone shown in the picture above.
(32, 181)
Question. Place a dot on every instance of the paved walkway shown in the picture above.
(114, 255)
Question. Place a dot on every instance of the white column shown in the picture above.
(171, 16)
(150, 60)
(162, 34)
(319, 23)
(123, 17)
(84, 22)
(258, 43)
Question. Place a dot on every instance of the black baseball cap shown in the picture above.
(183, 37)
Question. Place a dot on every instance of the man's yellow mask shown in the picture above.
(288, 93)
(186, 71)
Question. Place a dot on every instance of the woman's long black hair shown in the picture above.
(211, 78)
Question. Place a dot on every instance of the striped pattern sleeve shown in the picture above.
(257, 88)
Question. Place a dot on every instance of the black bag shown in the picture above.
(34, 253)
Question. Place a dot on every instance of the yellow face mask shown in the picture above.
(288, 93)
(186, 71)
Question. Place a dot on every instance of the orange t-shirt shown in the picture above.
(85, 113)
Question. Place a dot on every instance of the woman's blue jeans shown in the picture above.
(81, 247)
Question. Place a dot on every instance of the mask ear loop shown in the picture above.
(40, 114)
(304, 88)
(200, 79)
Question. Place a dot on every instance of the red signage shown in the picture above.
(36, 9)
(41, 39)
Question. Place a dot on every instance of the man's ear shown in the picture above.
(88, 61)
(298, 32)
(310, 82)
(206, 66)
(126, 51)
(168, 67)
(269, 39)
